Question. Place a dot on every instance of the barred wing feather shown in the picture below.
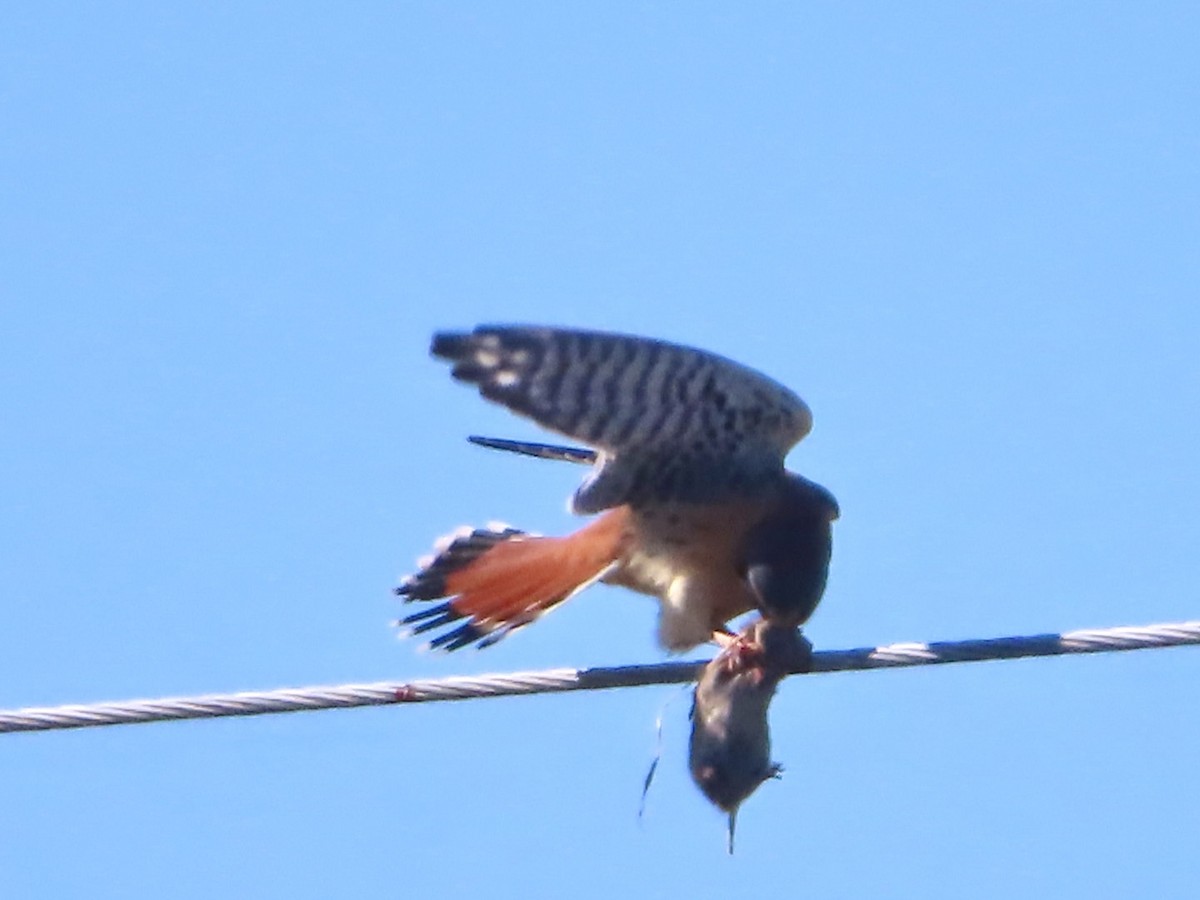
(668, 422)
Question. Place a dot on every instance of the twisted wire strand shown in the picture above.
(254, 703)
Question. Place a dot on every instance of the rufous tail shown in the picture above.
(500, 578)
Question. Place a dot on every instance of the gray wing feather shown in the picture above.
(669, 422)
(532, 448)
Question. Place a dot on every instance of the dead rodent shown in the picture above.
(730, 749)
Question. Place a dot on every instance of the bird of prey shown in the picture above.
(690, 497)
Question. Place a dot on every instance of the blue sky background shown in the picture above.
(966, 233)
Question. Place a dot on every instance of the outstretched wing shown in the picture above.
(669, 422)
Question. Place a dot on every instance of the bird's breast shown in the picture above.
(688, 557)
(668, 541)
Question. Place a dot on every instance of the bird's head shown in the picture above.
(785, 557)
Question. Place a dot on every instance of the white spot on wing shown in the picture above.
(442, 544)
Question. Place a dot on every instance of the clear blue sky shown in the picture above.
(966, 233)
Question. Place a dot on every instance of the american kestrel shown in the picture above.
(692, 501)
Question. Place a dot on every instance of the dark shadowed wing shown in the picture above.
(669, 422)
